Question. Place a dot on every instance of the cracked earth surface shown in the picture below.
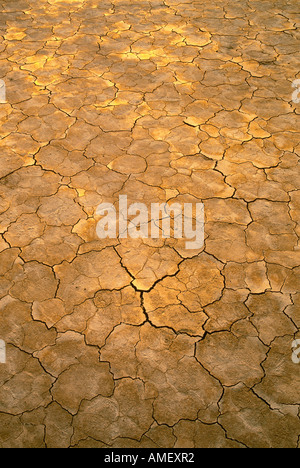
(142, 343)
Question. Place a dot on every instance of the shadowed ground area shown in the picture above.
(141, 342)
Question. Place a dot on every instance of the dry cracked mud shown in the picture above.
(140, 342)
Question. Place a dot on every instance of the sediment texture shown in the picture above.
(142, 343)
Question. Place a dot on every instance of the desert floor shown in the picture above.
(141, 342)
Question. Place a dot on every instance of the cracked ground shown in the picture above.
(140, 342)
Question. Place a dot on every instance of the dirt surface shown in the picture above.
(141, 342)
